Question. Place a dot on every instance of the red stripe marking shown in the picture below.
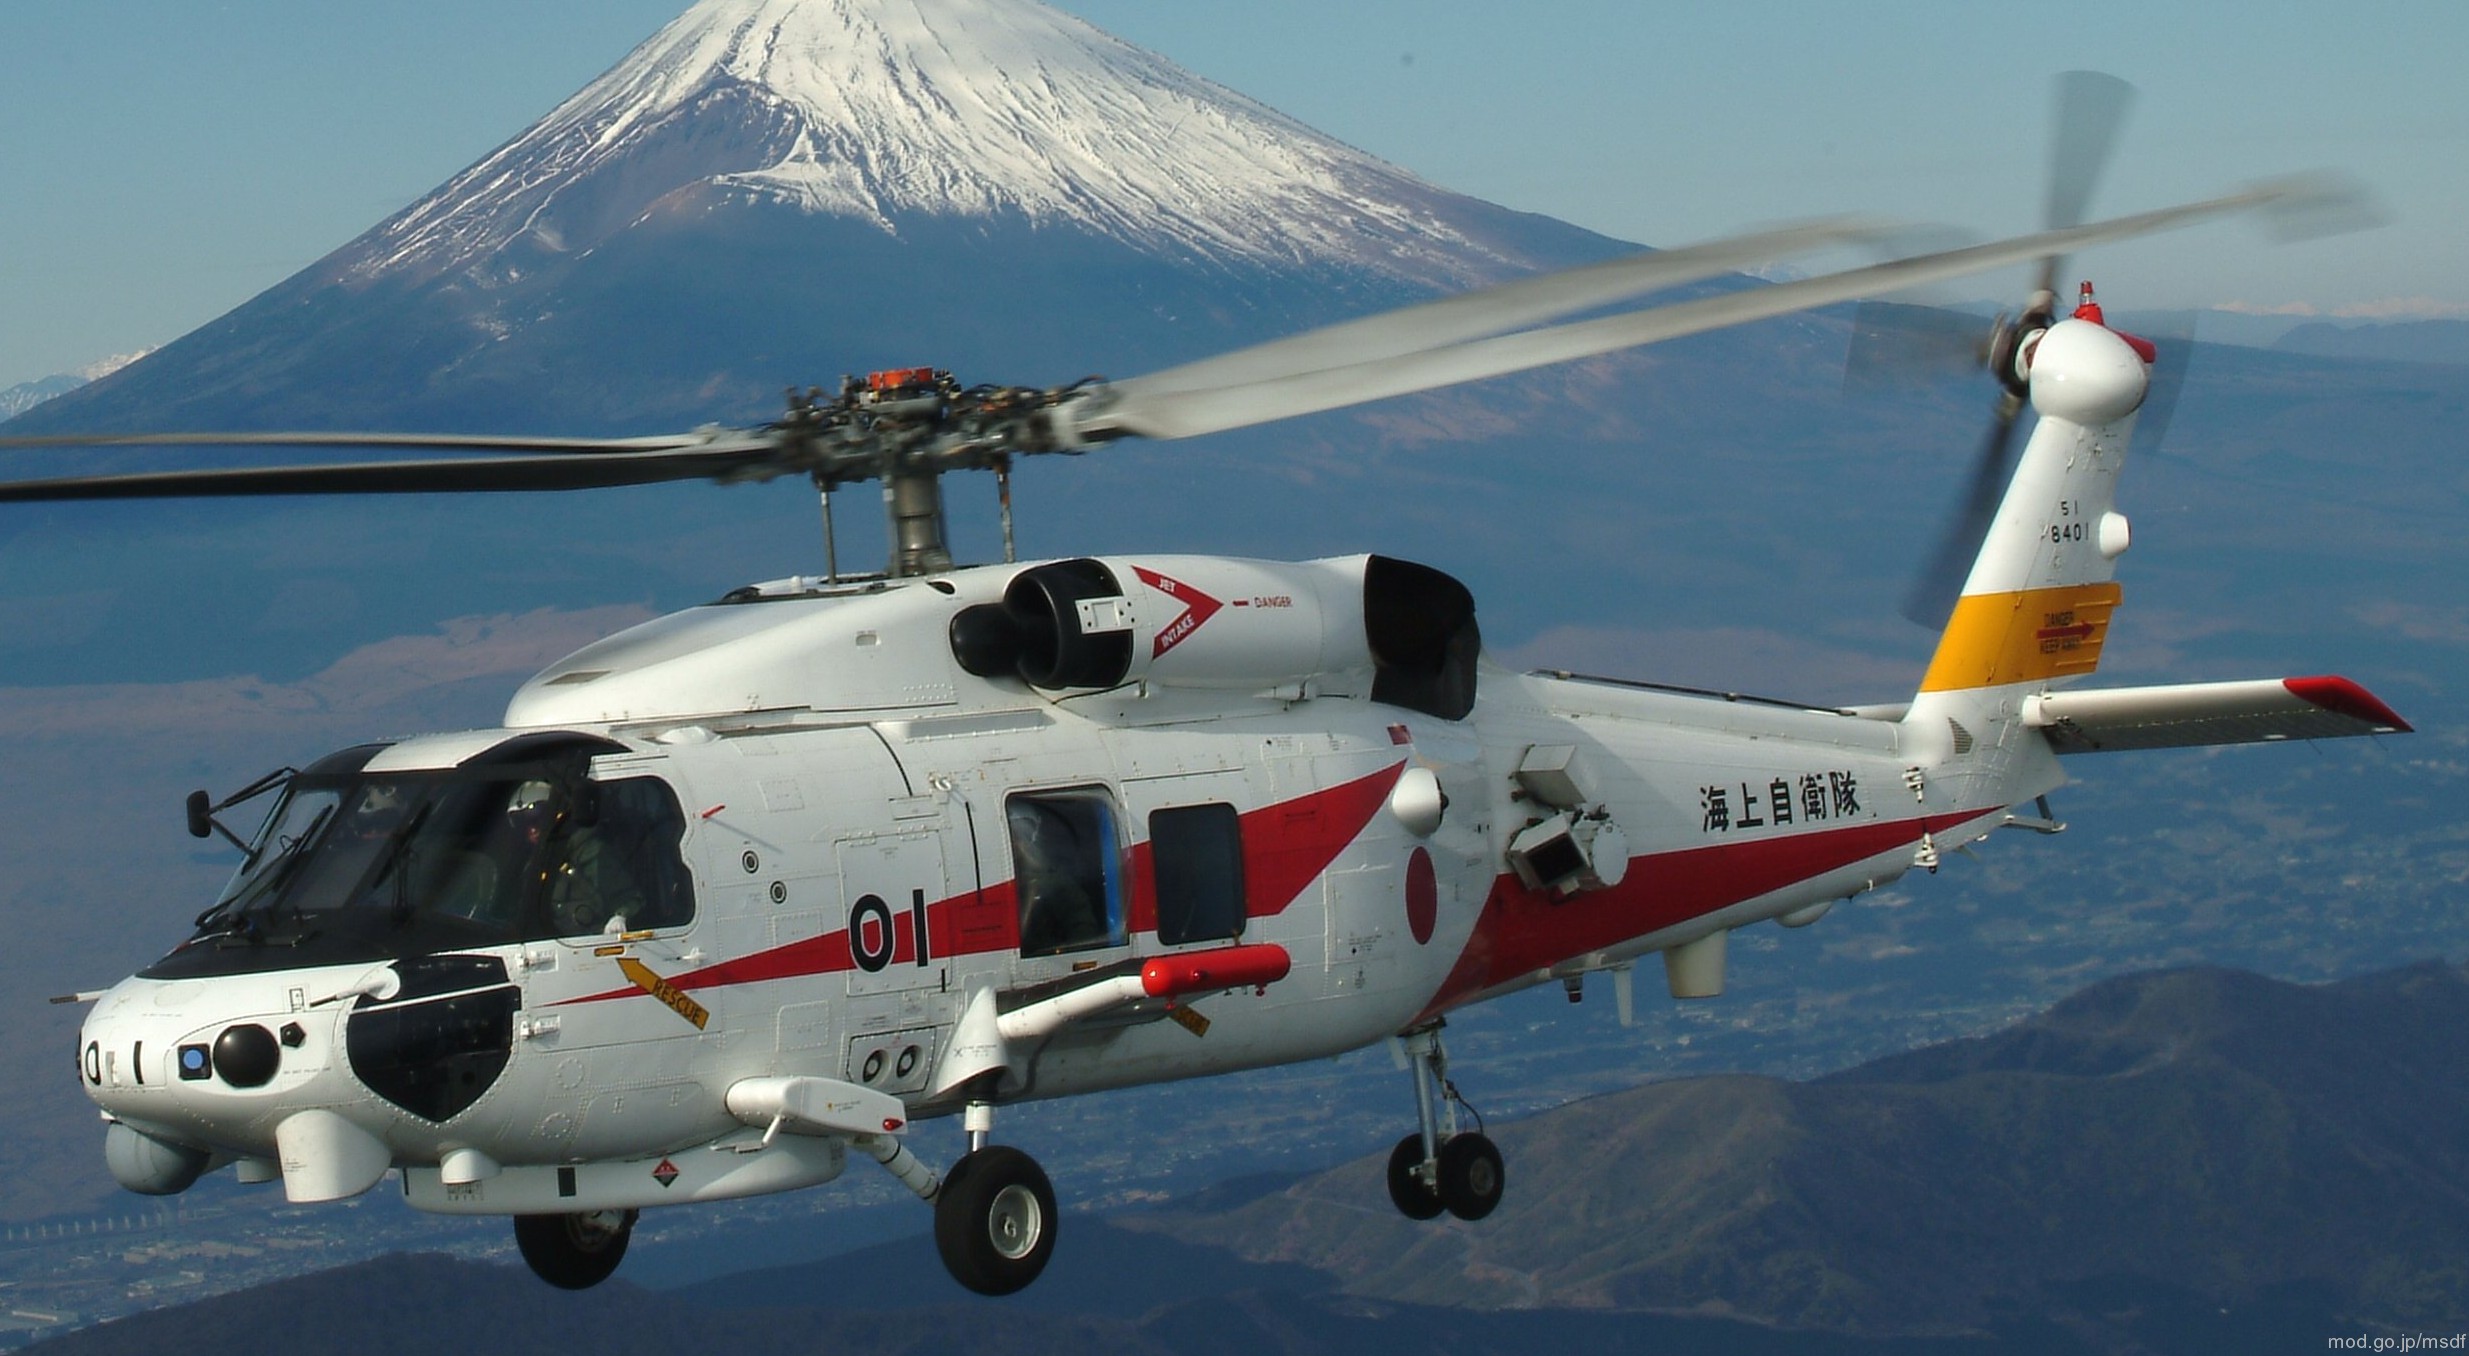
(1521, 931)
(1285, 848)
(2334, 693)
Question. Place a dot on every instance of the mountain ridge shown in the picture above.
(2204, 1128)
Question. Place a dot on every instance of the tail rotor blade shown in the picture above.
(2172, 335)
(2090, 109)
(1931, 599)
(1897, 346)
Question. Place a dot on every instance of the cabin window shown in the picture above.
(1067, 865)
(1197, 851)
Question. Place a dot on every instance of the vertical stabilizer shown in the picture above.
(2035, 609)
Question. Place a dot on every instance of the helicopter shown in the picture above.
(739, 893)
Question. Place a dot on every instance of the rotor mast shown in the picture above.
(908, 427)
(913, 509)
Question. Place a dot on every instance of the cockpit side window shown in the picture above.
(469, 856)
(462, 857)
(618, 863)
(517, 845)
(1067, 865)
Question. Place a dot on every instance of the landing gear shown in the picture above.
(1410, 1184)
(1440, 1167)
(994, 1212)
(574, 1252)
(994, 1220)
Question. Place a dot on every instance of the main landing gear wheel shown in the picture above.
(1466, 1181)
(1471, 1178)
(1464, 1175)
(994, 1220)
(574, 1252)
(1413, 1196)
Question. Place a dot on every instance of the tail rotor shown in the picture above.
(2090, 108)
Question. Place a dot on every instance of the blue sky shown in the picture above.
(167, 159)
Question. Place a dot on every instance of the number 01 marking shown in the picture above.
(872, 938)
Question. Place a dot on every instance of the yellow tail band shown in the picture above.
(2028, 635)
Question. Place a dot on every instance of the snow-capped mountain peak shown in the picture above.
(883, 109)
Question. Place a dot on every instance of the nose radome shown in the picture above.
(204, 1062)
(247, 1055)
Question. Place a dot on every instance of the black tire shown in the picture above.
(1413, 1198)
(574, 1252)
(995, 1220)
(1471, 1176)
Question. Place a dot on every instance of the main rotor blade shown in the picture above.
(444, 442)
(1497, 310)
(1131, 409)
(575, 470)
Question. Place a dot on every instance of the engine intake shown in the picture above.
(1403, 633)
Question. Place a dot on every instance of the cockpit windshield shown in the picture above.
(352, 864)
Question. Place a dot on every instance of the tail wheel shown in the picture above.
(994, 1220)
(1471, 1176)
(1413, 1196)
(574, 1252)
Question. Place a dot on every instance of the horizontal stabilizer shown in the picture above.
(2185, 715)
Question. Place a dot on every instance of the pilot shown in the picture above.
(592, 883)
(1058, 910)
(475, 882)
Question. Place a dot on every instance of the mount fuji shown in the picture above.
(773, 191)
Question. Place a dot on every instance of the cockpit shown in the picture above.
(517, 844)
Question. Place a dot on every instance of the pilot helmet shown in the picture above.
(378, 801)
(532, 805)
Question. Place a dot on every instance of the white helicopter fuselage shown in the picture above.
(924, 845)
(796, 818)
